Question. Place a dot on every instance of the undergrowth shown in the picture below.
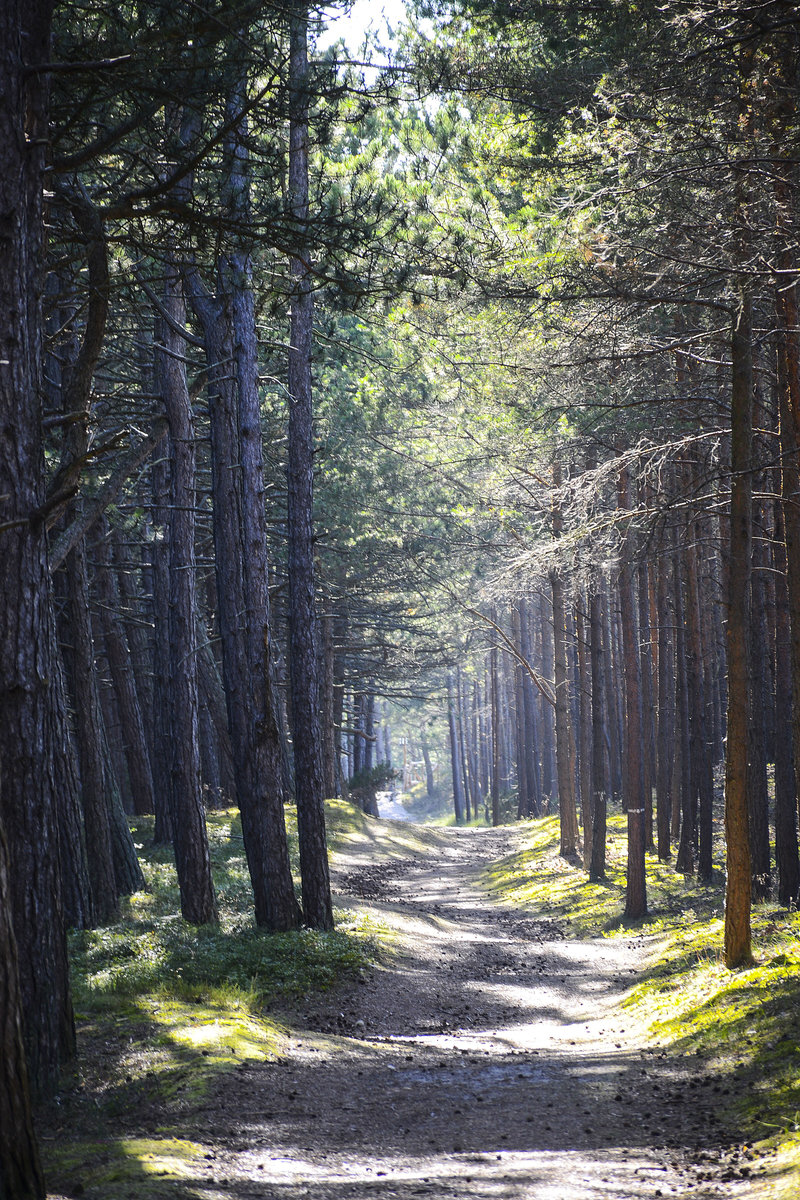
(164, 1009)
(743, 1024)
(151, 950)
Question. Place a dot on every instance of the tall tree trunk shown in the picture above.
(89, 734)
(137, 635)
(329, 723)
(597, 862)
(613, 691)
(523, 787)
(455, 756)
(758, 803)
(788, 356)
(568, 819)
(495, 729)
(737, 892)
(474, 743)
(426, 758)
(463, 732)
(546, 711)
(35, 772)
(684, 860)
(339, 640)
(162, 701)
(314, 871)
(531, 725)
(666, 710)
(189, 837)
(702, 771)
(585, 728)
(633, 768)
(368, 702)
(240, 544)
(243, 598)
(789, 419)
(20, 1170)
(648, 724)
(484, 734)
(786, 842)
(137, 754)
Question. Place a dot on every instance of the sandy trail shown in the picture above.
(489, 1059)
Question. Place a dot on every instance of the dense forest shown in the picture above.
(426, 408)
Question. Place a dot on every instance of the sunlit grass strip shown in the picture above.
(538, 876)
(688, 1002)
(218, 1028)
(164, 1009)
(124, 1167)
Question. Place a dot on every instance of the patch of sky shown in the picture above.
(353, 22)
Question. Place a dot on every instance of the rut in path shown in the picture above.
(489, 1059)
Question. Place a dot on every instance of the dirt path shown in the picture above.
(489, 1059)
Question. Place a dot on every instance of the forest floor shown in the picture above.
(488, 1056)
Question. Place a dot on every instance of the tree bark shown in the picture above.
(523, 787)
(463, 721)
(455, 757)
(159, 565)
(494, 700)
(242, 574)
(189, 836)
(89, 734)
(648, 725)
(137, 634)
(329, 723)
(137, 753)
(20, 1170)
(633, 767)
(666, 710)
(758, 802)
(34, 774)
(568, 819)
(789, 401)
(700, 741)
(737, 892)
(597, 862)
(426, 758)
(314, 870)
(787, 858)
(585, 728)
(531, 724)
(684, 860)
(546, 711)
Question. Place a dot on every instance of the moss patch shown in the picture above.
(744, 1024)
(124, 1168)
(164, 1009)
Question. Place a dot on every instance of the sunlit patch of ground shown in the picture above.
(470, 1051)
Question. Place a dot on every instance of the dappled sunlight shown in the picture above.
(217, 1031)
(484, 1052)
(485, 1171)
(169, 1156)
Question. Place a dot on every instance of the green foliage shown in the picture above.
(163, 1009)
(125, 1168)
(153, 951)
(364, 786)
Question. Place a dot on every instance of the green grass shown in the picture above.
(164, 1009)
(152, 951)
(745, 1023)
